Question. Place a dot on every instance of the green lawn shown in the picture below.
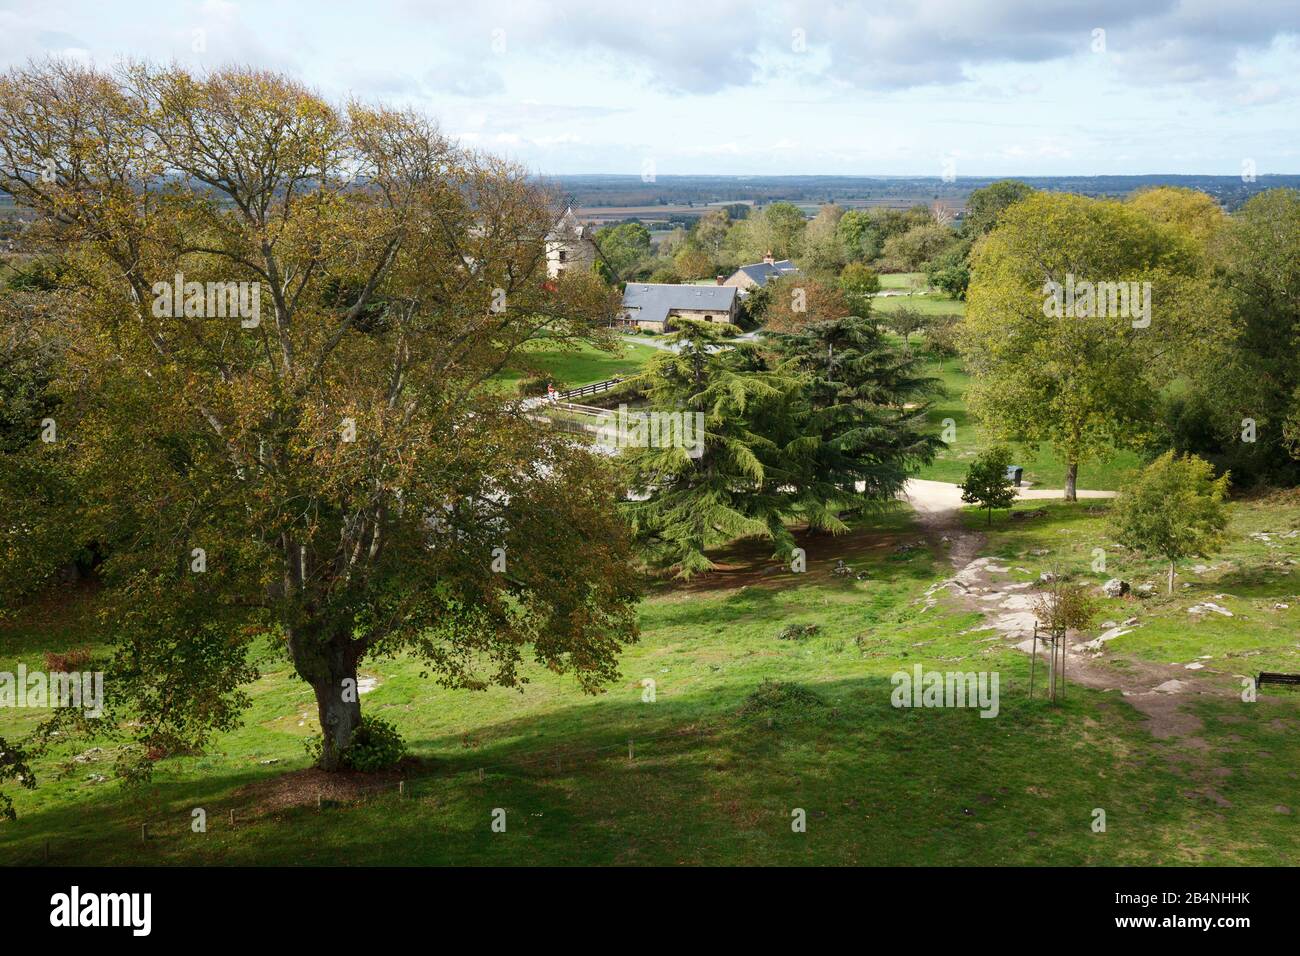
(1043, 469)
(930, 304)
(721, 759)
(903, 280)
(581, 365)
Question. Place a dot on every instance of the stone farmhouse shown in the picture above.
(653, 305)
(757, 275)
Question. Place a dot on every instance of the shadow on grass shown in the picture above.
(715, 779)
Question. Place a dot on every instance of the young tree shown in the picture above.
(329, 466)
(1061, 608)
(1174, 509)
(987, 482)
(941, 333)
(905, 322)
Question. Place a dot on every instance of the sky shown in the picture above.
(833, 87)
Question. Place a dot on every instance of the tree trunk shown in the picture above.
(1170, 589)
(1051, 669)
(1071, 481)
(329, 664)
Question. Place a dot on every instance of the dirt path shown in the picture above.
(1157, 691)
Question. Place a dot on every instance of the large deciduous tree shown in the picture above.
(333, 471)
(1058, 335)
(1247, 389)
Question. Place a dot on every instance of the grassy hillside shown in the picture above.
(745, 727)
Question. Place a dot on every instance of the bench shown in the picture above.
(1266, 677)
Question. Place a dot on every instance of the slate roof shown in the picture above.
(652, 301)
(569, 229)
(760, 272)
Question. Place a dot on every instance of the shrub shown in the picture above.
(375, 746)
(533, 385)
(77, 659)
(774, 699)
(987, 483)
(797, 632)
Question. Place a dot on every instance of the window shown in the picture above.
(564, 255)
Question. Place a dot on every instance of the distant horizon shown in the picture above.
(906, 176)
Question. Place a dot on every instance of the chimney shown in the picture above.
(768, 258)
(721, 279)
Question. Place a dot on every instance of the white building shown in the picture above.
(570, 245)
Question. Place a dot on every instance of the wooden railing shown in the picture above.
(592, 389)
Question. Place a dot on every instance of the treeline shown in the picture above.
(718, 242)
(631, 190)
(1153, 323)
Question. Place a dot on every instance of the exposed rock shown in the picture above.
(1108, 635)
(1209, 606)
(1115, 588)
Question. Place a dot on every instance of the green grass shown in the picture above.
(581, 365)
(903, 280)
(1043, 468)
(721, 759)
(930, 304)
(1248, 577)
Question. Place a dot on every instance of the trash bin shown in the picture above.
(1014, 472)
